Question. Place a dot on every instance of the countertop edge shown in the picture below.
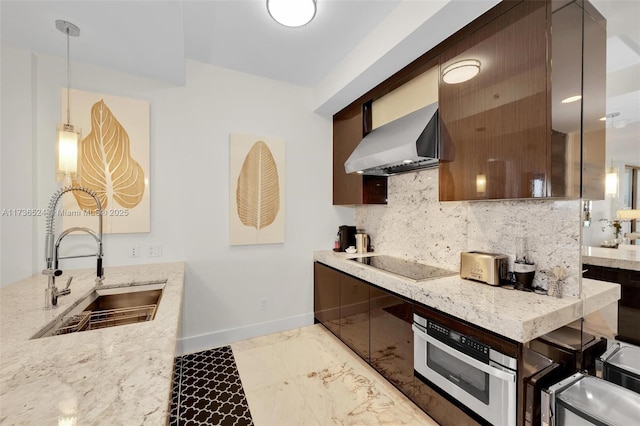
(518, 316)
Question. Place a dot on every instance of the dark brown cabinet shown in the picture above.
(354, 314)
(351, 189)
(512, 131)
(326, 297)
(629, 303)
(391, 338)
(494, 126)
(341, 303)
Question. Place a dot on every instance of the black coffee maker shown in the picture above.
(346, 237)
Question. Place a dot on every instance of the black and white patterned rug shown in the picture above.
(207, 390)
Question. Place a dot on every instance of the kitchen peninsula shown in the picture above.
(117, 375)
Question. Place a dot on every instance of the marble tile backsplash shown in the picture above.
(415, 225)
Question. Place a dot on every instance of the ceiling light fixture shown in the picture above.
(571, 99)
(292, 13)
(68, 137)
(461, 71)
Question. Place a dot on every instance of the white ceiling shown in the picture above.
(153, 38)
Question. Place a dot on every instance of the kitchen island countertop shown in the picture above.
(117, 375)
(620, 258)
(517, 315)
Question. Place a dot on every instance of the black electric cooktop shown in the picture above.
(405, 268)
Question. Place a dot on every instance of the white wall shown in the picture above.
(17, 171)
(189, 184)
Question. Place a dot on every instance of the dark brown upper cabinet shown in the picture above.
(505, 133)
(578, 68)
(349, 127)
(494, 126)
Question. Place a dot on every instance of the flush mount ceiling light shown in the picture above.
(68, 136)
(571, 99)
(292, 13)
(461, 71)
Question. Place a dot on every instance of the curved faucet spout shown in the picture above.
(52, 245)
(98, 254)
(50, 223)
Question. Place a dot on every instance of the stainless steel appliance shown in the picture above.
(409, 143)
(588, 400)
(362, 242)
(405, 268)
(489, 268)
(620, 364)
(468, 371)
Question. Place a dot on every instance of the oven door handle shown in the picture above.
(504, 375)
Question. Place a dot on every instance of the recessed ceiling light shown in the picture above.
(292, 13)
(571, 99)
(360, 172)
(407, 161)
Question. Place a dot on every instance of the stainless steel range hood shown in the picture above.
(409, 143)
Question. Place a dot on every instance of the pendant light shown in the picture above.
(292, 13)
(68, 136)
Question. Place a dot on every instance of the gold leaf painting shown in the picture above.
(256, 190)
(106, 166)
(113, 161)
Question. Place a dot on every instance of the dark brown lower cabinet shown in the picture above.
(629, 303)
(391, 338)
(354, 314)
(326, 297)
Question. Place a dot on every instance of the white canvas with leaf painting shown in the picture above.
(256, 190)
(113, 161)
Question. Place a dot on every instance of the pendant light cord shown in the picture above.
(68, 83)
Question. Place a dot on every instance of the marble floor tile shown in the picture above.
(308, 376)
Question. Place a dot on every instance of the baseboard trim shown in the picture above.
(187, 345)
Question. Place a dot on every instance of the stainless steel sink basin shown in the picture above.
(108, 307)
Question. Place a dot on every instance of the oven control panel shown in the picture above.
(463, 343)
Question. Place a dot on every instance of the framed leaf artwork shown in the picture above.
(113, 161)
(256, 190)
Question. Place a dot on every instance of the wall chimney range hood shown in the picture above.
(409, 143)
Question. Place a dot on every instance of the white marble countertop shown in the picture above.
(517, 315)
(621, 258)
(118, 375)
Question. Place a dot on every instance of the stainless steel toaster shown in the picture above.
(489, 268)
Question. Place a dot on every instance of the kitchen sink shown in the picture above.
(108, 306)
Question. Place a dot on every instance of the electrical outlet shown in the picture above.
(264, 304)
(134, 251)
(154, 250)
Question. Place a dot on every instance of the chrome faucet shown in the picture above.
(52, 247)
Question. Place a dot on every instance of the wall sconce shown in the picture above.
(68, 137)
(481, 184)
(292, 13)
(461, 71)
(611, 182)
